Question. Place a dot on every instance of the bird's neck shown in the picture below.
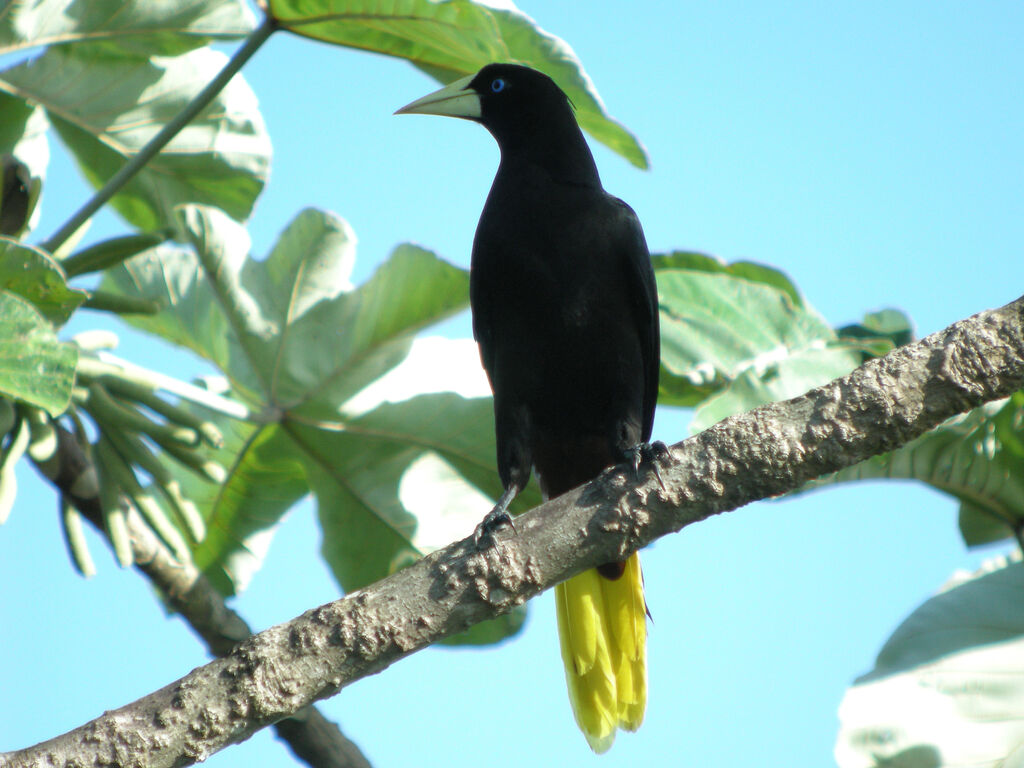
(562, 155)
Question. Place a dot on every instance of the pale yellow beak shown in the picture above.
(456, 99)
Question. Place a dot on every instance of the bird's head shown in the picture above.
(513, 102)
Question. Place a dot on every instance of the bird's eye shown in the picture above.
(497, 85)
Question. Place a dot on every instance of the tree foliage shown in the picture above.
(321, 391)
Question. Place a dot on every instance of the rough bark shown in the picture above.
(308, 734)
(768, 451)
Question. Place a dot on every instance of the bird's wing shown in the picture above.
(483, 323)
(639, 276)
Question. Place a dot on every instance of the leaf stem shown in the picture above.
(168, 132)
(106, 364)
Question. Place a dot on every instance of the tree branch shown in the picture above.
(771, 450)
(308, 734)
(138, 161)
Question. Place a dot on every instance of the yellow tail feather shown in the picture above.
(602, 626)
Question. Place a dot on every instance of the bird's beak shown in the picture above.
(456, 99)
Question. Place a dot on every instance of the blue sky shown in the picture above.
(872, 151)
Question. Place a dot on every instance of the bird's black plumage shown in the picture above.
(566, 317)
(563, 296)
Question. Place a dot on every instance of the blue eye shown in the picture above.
(497, 85)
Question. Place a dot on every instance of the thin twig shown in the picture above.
(166, 134)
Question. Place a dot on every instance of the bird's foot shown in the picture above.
(648, 454)
(493, 520)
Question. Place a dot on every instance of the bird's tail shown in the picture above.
(602, 625)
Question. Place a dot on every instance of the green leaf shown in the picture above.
(327, 368)
(34, 366)
(191, 316)
(880, 332)
(800, 370)
(148, 28)
(402, 446)
(290, 332)
(265, 479)
(977, 457)
(745, 270)
(34, 275)
(453, 38)
(397, 483)
(402, 481)
(221, 158)
(946, 688)
(731, 343)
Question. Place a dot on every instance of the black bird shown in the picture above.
(565, 313)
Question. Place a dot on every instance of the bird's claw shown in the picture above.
(649, 454)
(493, 520)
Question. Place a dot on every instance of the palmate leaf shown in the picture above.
(745, 270)
(977, 457)
(221, 158)
(289, 332)
(948, 686)
(148, 27)
(34, 366)
(453, 38)
(264, 480)
(393, 486)
(299, 344)
(736, 336)
(398, 482)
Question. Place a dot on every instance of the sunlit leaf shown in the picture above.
(265, 479)
(948, 686)
(453, 38)
(401, 481)
(221, 158)
(33, 275)
(346, 404)
(34, 366)
(734, 339)
(148, 27)
(290, 331)
(746, 270)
